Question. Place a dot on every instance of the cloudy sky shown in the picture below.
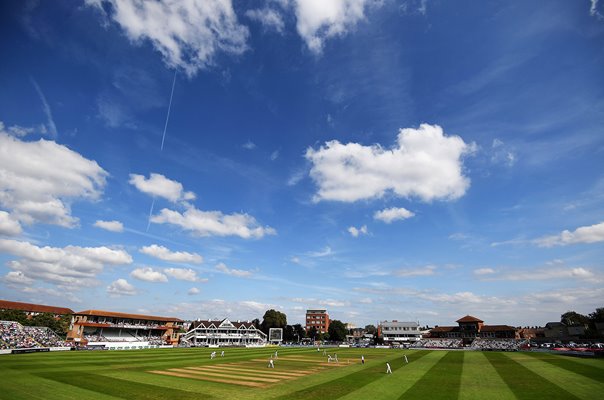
(410, 160)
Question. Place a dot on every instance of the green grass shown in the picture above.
(300, 374)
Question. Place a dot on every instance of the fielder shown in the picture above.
(222, 353)
(406, 361)
(212, 355)
(362, 359)
(388, 369)
(271, 364)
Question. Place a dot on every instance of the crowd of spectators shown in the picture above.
(45, 336)
(497, 344)
(437, 344)
(14, 336)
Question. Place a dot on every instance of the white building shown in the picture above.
(396, 332)
(224, 333)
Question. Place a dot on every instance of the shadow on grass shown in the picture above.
(442, 381)
(342, 386)
(121, 388)
(524, 383)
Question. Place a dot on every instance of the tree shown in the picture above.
(288, 333)
(273, 319)
(299, 332)
(371, 329)
(13, 315)
(256, 323)
(571, 318)
(598, 315)
(337, 330)
(312, 332)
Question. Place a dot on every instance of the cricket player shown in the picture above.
(362, 359)
(406, 360)
(388, 369)
(271, 364)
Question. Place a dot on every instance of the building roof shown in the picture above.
(497, 328)
(469, 318)
(218, 322)
(38, 308)
(100, 313)
(444, 329)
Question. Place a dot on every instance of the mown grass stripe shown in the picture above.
(444, 375)
(349, 383)
(392, 386)
(578, 385)
(117, 387)
(479, 380)
(571, 365)
(525, 383)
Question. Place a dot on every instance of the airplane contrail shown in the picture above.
(168, 115)
(163, 138)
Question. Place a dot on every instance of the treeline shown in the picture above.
(294, 333)
(60, 325)
(572, 318)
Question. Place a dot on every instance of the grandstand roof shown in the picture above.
(444, 329)
(38, 308)
(218, 322)
(100, 313)
(469, 318)
(497, 328)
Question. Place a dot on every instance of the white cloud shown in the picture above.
(593, 10)
(21, 131)
(355, 232)
(389, 215)
(502, 154)
(113, 226)
(579, 273)
(318, 20)
(320, 302)
(165, 254)
(70, 265)
(327, 251)
(17, 278)
(366, 300)
(274, 155)
(183, 274)
(410, 272)
(38, 180)
(424, 163)
(584, 234)
(188, 34)
(484, 271)
(193, 291)
(213, 223)
(269, 18)
(249, 145)
(159, 185)
(148, 274)
(121, 287)
(9, 226)
(240, 273)
(412, 7)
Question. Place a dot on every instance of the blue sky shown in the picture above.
(410, 160)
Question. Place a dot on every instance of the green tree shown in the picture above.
(571, 318)
(598, 315)
(371, 329)
(13, 315)
(312, 333)
(299, 332)
(256, 323)
(337, 330)
(273, 319)
(288, 333)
